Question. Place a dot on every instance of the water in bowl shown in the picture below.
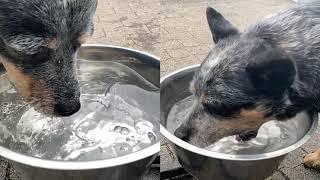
(119, 115)
(272, 136)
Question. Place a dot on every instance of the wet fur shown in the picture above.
(38, 44)
(271, 70)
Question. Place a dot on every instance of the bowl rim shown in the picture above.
(85, 165)
(254, 157)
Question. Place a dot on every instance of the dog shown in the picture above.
(271, 70)
(38, 45)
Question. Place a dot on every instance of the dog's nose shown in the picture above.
(67, 109)
(182, 133)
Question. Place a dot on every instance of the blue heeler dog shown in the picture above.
(38, 43)
(271, 70)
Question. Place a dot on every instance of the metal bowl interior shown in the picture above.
(147, 65)
(175, 87)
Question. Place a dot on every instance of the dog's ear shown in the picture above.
(272, 76)
(219, 26)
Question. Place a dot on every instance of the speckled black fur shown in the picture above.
(25, 27)
(273, 65)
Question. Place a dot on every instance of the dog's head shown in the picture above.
(38, 44)
(243, 82)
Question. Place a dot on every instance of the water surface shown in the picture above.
(119, 115)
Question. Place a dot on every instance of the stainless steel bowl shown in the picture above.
(207, 165)
(128, 167)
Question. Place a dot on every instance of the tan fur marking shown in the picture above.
(252, 114)
(43, 95)
(204, 98)
(38, 93)
(52, 43)
(222, 128)
(21, 81)
(239, 124)
(247, 120)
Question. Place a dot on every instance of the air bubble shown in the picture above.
(124, 130)
(151, 136)
(117, 129)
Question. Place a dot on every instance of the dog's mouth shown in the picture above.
(247, 135)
